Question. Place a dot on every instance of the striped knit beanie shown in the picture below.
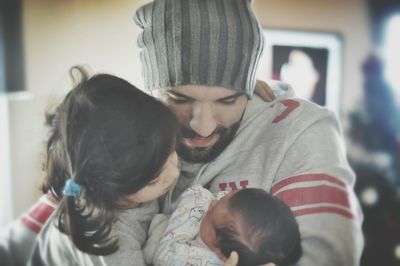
(199, 42)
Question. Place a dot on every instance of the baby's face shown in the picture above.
(217, 216)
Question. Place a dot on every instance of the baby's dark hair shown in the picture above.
(268, 231)
(112, 139)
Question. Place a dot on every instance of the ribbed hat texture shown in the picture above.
(199, 42)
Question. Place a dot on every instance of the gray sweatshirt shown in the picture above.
(18, 238)
(293, 149)
(56, 248)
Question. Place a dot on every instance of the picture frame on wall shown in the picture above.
(309, 61)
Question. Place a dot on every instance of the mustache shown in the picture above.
(191, 134)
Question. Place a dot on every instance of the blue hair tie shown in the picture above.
(71, 188)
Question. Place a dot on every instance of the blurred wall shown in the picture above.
(59, 34)
(101, 34)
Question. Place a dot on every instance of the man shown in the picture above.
(200, 57)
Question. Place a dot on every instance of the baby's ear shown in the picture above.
(220, 254)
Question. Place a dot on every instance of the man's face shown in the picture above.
(209, 117)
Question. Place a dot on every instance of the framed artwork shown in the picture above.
(309, 61)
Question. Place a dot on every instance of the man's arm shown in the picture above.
(316, 181)
(17, 240)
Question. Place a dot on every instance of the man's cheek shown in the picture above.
(182, 114)
(232, 118)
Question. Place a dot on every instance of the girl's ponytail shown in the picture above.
(89, 225)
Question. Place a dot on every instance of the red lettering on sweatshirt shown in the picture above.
(232, 185)
(244, 183)
(290, 106)
(222, 186)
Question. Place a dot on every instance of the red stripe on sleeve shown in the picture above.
(41, 212)
(31, 225)
(50, 197)
(290, 106)
(314, 195)
(306, 178)
(323, 210)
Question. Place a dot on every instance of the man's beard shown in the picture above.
(206, 154)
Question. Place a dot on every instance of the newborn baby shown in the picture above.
(204, 230)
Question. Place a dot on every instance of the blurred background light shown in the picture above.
(391, 54)
(369, 196)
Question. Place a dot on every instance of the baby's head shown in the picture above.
(258, 226)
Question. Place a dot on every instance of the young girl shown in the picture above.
(110, 154)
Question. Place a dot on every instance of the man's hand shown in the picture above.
(264, 91)
(232, 260)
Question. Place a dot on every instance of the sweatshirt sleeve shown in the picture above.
(156, 230)
(55, 248)
(18, 238)
(316, 182)
(132, 228)
(176, 246)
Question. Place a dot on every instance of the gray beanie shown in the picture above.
(199, 42)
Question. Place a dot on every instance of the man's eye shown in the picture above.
(228, 101)
(180, 100)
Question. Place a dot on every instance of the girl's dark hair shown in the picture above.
(112, 139)
(271, 231)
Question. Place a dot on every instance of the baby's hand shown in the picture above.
(232, 260)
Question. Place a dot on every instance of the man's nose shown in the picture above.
(202, 120)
